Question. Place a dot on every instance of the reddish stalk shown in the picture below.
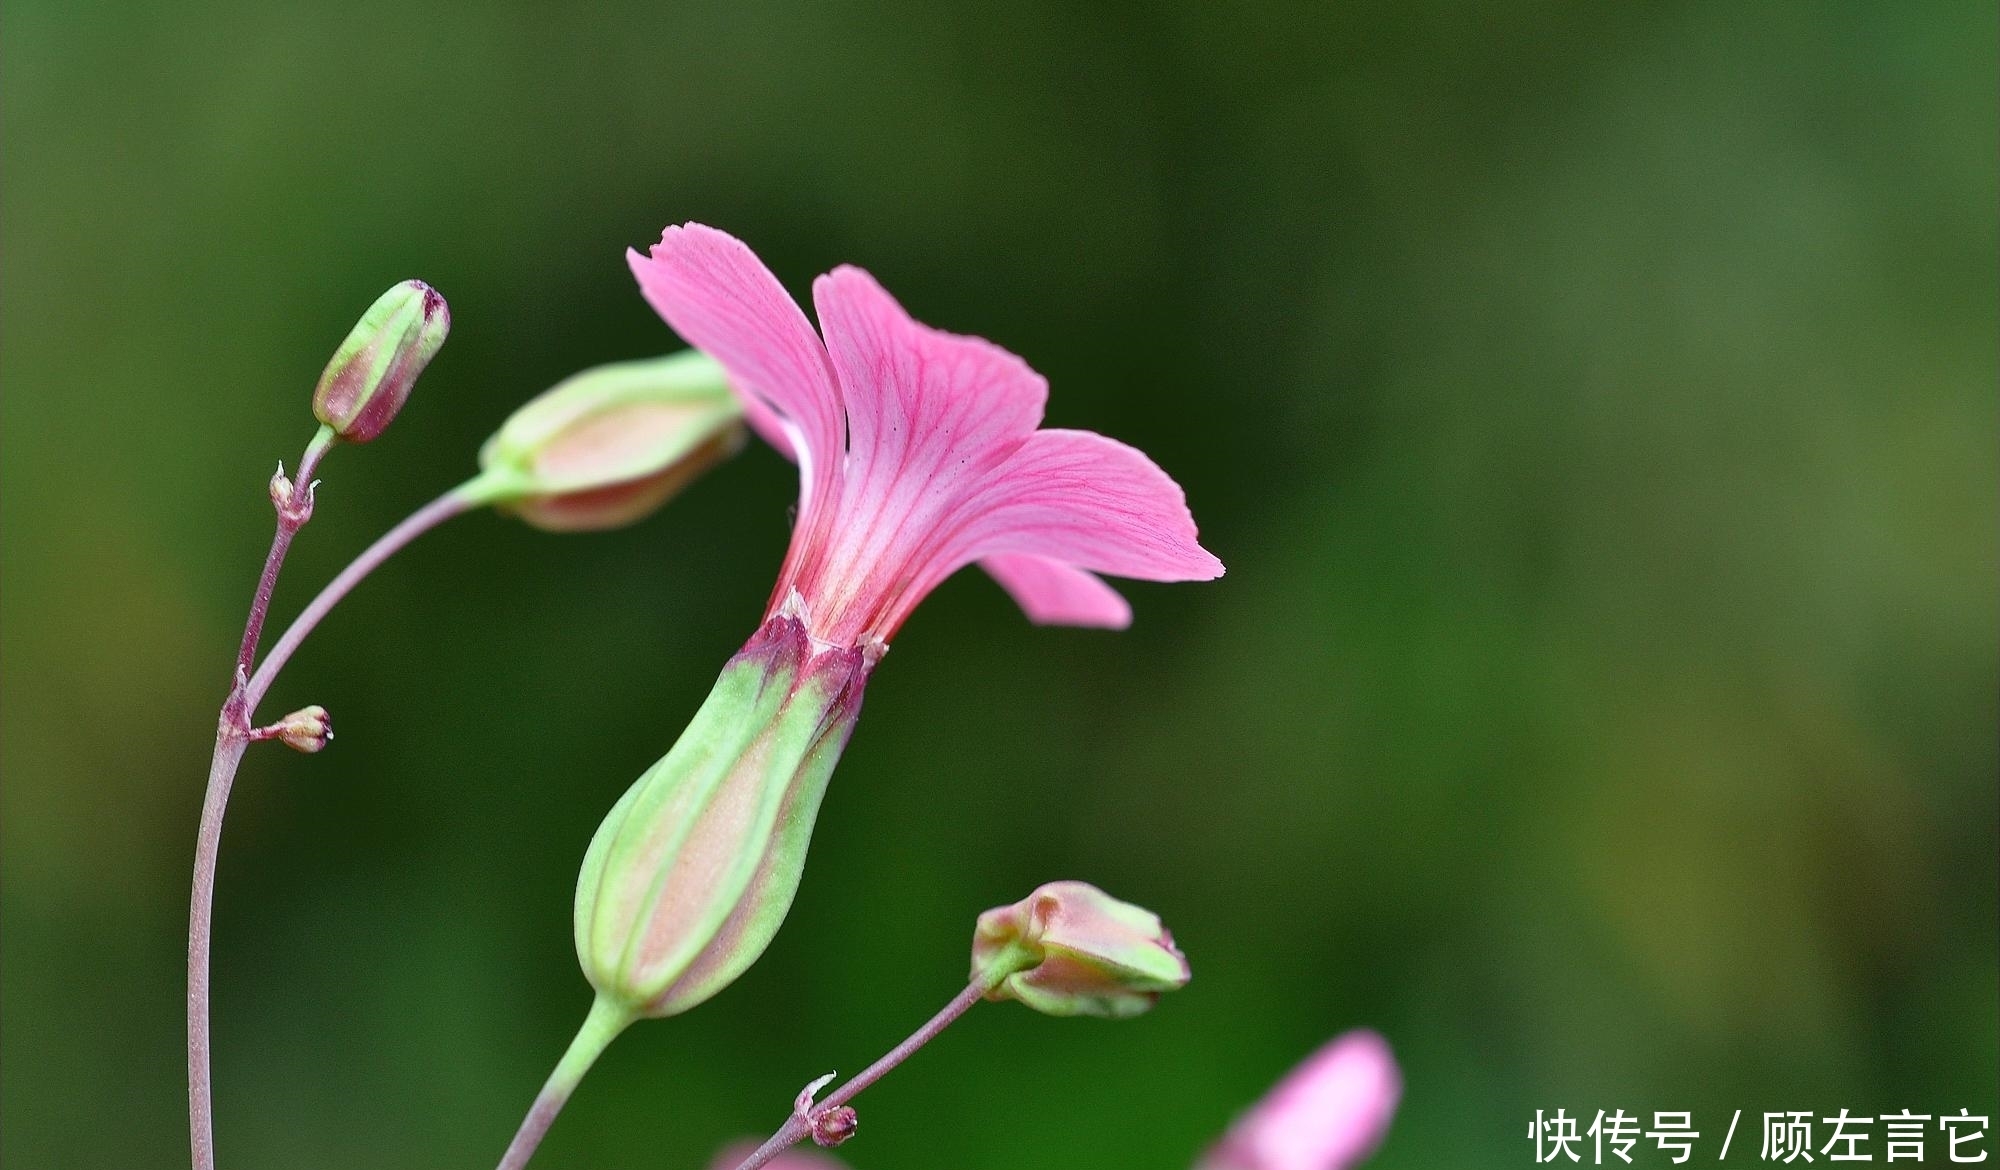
(292, 516)
(293, 500)
(234, 731)
(799, 1126)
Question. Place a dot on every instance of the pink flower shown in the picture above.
(732, 1156)
(919, 452)
(1329, 1113)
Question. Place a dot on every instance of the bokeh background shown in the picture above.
(1594, 404)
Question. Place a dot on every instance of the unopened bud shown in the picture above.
(693, 871)
(372, 372)
(605, 447)
(305, 730)
(830, 1127)
(1070, 949)
(1329, 1113)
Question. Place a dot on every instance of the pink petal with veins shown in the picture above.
(919, 453)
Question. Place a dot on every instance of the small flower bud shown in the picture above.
(605, 447)
(1070, 949)
(1329, 1113)
(372, 372)
(691, 874)
(305, 730)
(830, 1127)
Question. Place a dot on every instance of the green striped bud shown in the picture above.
(605, 447)
(690, 876)
(1070, 949)
(372, 372)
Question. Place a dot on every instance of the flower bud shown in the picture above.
(831, 1127)
(692, 873)
(1070, 949)
(371, 373)
(605, 447)
(1329, 1113)
(305, 730)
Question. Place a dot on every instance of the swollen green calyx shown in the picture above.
(693, 871)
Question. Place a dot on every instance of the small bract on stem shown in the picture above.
(293, 501)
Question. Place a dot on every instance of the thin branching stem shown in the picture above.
(233, 735)
(798, 1127)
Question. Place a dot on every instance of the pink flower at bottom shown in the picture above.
(732, 1156)
(919, 452)
(1329, 1113)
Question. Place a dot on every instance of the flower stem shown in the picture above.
(799, 1126)
(289, 523)
(462, 498)
(605, 1021)
(221, 775)
(233, 734)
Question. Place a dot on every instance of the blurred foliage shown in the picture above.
(1594, 404)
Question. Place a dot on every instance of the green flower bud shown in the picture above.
(692, 873)
(372, 372)
(1070, 949)
(305, 730)
(605, 447)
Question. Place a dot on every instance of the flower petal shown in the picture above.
(932, 418)
(1054, 594)
(718, 296)
(929, 413)
(1090, 502)
(1329, 1113)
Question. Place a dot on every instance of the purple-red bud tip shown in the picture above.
(372, 372)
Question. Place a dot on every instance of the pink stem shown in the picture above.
(799, 1126)
(229, 747)
(417, 523)
(290, 520)
(232, 737)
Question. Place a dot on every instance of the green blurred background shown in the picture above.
(1594, 404)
